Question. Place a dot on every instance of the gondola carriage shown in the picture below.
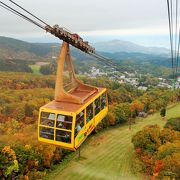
(72, 116)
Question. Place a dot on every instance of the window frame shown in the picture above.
(106, 105)
(54, 128)
(92, 105)
(62, 129)
(99, 107)
(84, 122)
(50, 120)
(68, 122)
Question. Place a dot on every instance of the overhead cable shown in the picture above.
(5, 6)
(28, 12)
(170, 34)
(174, 26)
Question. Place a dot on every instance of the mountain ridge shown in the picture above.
(115, 45)
(11, 48)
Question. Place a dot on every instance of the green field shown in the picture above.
(108, 154)
(35, 68)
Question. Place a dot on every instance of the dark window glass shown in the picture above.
(63, 136)
(64, 122)
(47, 119)
(103, 101)
(47, 133)
(89, 112)
(97, 105)
(79, 122)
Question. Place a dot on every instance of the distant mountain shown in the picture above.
(117, 50)
(140, 58)
(15, 49)
(129, 47)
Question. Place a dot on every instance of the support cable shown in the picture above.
(12, 11)
(106, 61)
(170, 33)
(175, 51)
(29, 12)
(20, 14)
(178, 49)
(16, 12)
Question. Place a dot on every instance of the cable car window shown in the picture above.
(64, 121)
(47, 133)
(47, 119)
(89, 112)
(103, 101)
(79, 122)
(97, 105)
(63, 136)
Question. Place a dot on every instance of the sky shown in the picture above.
(143, 22)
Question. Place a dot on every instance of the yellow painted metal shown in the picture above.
(79, 97)
(60, 93)
(83, 133)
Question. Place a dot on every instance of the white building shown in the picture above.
(178, 79)
(144, 88)
(162, 84)
(96, 72)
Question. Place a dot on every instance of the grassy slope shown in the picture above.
(108, 155)
(35, 68)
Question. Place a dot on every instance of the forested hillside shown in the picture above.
(15, 65)
(21, 96)
(15, 49)
(112, 151)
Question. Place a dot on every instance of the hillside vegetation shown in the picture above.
(17, 49)
(131, 60)
(21, 96)
(109, 155)
(15, 65)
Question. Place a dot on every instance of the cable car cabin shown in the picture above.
(73, 115)
(68, 124)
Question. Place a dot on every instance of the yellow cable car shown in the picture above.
(73, 115)
(67, 125)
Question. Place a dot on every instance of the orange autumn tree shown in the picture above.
(136, 107)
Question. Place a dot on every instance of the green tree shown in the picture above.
(173, 123)
(163, 112)
(147, 139)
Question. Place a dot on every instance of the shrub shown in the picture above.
(99, 127)
(173, 123)
(27, 157)
(163, 112)
(137, 165)
(8, 164)
(47, 152)
(170, 157)
(168, 135)
(147, 139)
(168, 149)
(155, 158)
(111, 117)
(122, 112)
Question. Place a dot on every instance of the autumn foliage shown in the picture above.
(158, 151)
(21, 96)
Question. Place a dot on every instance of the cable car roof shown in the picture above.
(71, 107)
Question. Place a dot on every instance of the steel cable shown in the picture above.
(20, 14)
(29, 12)
(97, 56)
(170, 33)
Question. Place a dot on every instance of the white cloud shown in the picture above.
(90, 17)
(132, 31)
